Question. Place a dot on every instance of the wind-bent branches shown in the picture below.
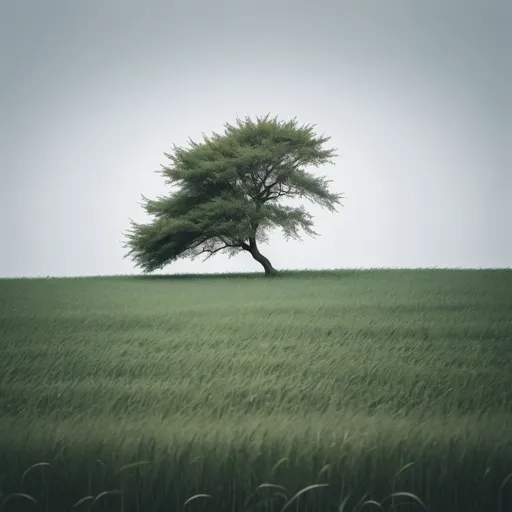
(228, 190)
(211, 252)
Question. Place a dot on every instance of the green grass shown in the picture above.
(223, 383)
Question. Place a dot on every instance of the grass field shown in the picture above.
(220, 384)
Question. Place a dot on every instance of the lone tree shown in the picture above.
(229, 192)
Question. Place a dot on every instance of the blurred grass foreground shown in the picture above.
(233, 393)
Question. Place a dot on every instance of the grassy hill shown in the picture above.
(218, 384)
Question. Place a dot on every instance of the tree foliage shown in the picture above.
(229, 191)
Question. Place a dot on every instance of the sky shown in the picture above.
(416, 97)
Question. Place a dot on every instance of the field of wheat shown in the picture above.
(234, 393)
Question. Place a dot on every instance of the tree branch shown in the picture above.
(266, 193)
(281, 192)
(195, 246)
(211, 252)
(268, 172)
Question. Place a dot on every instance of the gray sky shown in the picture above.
(415, 94)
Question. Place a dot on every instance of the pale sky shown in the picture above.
(415, 94)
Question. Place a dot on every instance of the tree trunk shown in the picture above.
(256, 254)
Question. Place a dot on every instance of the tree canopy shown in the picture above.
(229, 191)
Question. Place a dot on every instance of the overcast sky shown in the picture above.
(415, 94)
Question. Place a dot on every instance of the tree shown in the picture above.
(229, 192)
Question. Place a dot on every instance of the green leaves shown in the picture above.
(229, 188)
